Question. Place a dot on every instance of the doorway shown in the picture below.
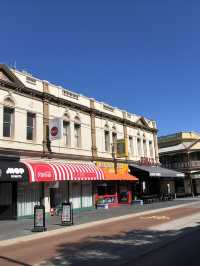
(8, 200)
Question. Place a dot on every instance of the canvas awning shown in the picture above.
(119, 177)
(43, 171)
(155, 171)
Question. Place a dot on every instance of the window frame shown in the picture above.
(67, 133)
(77, 142)
(33, 127)
(11, 122)
(131, 145)
(107, 140)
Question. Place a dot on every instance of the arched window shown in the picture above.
(77, 132)
(66, 130)
(8, 117)
(107, 138)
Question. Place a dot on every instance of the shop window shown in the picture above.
(66, 133)
(8, 122)
(31, 126)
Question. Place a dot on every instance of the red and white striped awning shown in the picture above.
(59, 171)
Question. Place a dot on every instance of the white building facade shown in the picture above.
(90, 132)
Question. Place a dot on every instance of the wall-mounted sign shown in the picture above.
(122, 148)
(53, 184)
(55, 128)
(12, 171)
(147, 161)
(108, 167)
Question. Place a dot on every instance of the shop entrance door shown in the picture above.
(8, 200)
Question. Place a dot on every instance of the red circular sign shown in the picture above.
(54, 131)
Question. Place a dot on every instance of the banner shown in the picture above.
(108, 167)
(55, 128)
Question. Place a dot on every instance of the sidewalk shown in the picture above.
(22, 227)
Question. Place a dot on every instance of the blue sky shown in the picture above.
(139, 55)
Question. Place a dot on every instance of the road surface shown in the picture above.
(166, 238)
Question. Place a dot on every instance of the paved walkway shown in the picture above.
(109, 243)
(22, 227)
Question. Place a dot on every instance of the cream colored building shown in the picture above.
(90, 129)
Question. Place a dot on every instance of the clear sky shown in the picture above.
(139, 55)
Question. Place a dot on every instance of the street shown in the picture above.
(149, 239)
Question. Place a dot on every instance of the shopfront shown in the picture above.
(155, 180)
(116, 188)
(59, 182)
(12, 174)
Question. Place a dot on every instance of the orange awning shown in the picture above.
(119, 177)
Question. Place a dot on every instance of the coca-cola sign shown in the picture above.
(54, 131)
(55, 128)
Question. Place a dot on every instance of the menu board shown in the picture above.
(39, 217)
(66, 213)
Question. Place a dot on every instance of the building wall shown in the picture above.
(59, 146)
(29, 103)
(22, 105)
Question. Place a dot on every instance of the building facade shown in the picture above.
(181, 152)
(90, 133)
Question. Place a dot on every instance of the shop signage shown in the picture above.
(55, 128)
(53, 184)
(39, 219)
(108, 167)
(146, 161)
(122, 148)
(12, 171)
(122, 169)
(67, 214)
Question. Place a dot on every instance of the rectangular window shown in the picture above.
(139, 147)
(145, 148)
(77, 135)
(107, 140)
(131, 150)
(30, 133)
(114, 141)
(151, 149)
(66, 132)
(8, 122)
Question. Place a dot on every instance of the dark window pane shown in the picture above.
(6, 130)
(29, 135)
(7, 114)
(7, 120)
(30, 119)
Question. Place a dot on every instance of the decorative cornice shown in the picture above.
(44, 96)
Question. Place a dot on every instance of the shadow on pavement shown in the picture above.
(8, 261)
(128, 248)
